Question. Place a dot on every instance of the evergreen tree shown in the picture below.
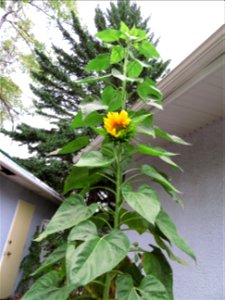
(58, 98)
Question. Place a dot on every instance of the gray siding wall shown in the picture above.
(10, 193)
(201, 222)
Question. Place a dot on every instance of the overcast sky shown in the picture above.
(181, 25)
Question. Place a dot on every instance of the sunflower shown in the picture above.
(116, 124)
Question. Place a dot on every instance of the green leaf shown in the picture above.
(122, 77)
(54, 257)
(140, 34)
(100, 219)
(94, 159)
(141, 118)
(144, 201)
(84, 231)
(173, 257)
(147, 130)
(168, 228)
(134, 221)
(99, 131)
(77, 121)
(109, 35)
(95, 257)
(90, 107)
(75, 145)
(148, 50)
(134, 69)
(100, 63)
(77, 179)
(145, 125)
(152, 172)
(46, 287)
(154, 151)
(124, 28)
(112, 98)
(70, 213)
(170, 162)
(93, 119)
(158, 177)
(156, 264)
(125, 289)
(169, 137)
(147, 91)
(152, 288)
(117, 54)
(91, 79)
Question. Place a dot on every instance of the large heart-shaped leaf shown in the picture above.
(168, 228)
(99, 63)
(54, 257)
(84, 231)
(157, 265)
(145, 201)
(71, 212)
(95, 257)
(94, 159)
(149, 288)
(152, 288)
(125, 289)
(47, 287)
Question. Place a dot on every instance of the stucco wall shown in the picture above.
(201, 222)
(10, 193)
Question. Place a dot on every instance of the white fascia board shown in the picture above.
(29, 180)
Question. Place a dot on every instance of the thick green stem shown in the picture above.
(118, 188)
(125, 74)
(107, 287)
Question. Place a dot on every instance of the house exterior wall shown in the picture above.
(10, 193)
(201, 222)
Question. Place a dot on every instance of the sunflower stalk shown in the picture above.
(98, 245)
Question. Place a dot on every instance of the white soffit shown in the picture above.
(14, 172)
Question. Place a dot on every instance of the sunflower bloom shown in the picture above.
(117, 123)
